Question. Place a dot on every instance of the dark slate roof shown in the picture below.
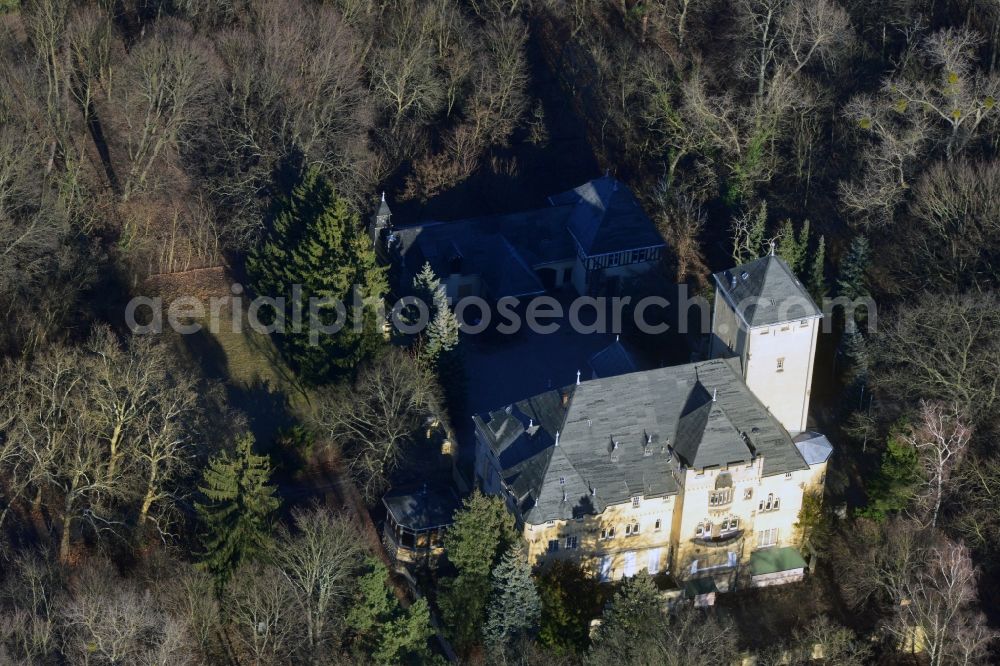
(505, 249)
(422, 509)
(502, 249)
(616, 437)
(766, 292)
(612, 360)
(705, 435)
(814, 447)
(607, 218)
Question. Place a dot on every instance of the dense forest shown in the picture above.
(165, 502)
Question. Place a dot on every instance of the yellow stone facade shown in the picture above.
(690, 534)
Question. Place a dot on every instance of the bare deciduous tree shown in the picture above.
(937, 611)
(897, 145)
(109, 621)
(403, 69)
(167, 81)
(263, 621)
(940, 437)
(952, 92)
(376, 419)
(319, 561)
(942, 348)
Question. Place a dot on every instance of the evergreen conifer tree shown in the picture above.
(853, 280)
(240, 504)
(817, 279)
(388, 633)
(480, 534)
(794, 248)
(426, 286)
(440, 351)
(317, 242)
(515, 606)
(896, 482)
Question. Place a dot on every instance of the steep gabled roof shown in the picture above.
(705, 435)
(612, 360)
(607, 218)
(616, 434)
(766, 292)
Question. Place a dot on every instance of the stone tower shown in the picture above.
(765, 317)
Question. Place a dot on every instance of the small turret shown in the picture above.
(381, 224)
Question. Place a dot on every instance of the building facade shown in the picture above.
(698, 470)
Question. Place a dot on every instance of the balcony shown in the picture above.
(722, 540)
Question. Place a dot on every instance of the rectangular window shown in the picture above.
(767, 538)
(635, 502)
(698, 531)
(748, 494)
(788, 475)
(572, 543)
(781, 364)
(607, 532)
(656, 525)
(553, 545)
(804, 323)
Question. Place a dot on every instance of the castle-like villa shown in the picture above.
(697, 470)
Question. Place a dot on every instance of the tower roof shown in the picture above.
(765, 292)
(383, 207)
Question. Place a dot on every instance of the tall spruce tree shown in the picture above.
(515, 606)
(794, 247)
(317, 242)
(440, 351)
(385, 631)
(479, 536)
(853, 280)
(817, 276)
(898, 477)
(240, 505)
